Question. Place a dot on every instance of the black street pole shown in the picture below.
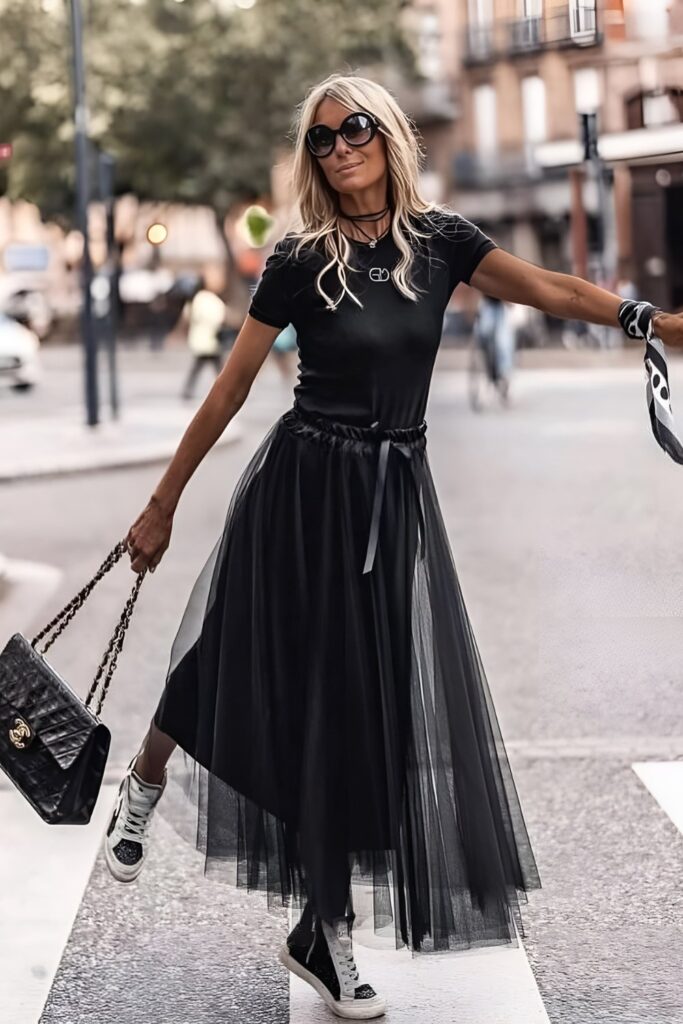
(82, 198)
(591, 155)
(107, 167)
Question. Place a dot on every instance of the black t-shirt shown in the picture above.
(374, 363)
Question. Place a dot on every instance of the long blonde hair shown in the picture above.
(316, 201)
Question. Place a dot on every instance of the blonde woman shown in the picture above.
(325, 684)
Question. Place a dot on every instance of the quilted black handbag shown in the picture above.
(52, 745)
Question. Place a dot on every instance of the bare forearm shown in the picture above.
(572, 298)
(203, 431)
(512, 279)
(562, 295)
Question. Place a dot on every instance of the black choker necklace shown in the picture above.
(365, 216)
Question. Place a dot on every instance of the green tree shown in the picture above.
(191, 98)
(35, 107)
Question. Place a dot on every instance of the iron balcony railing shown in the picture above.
(430, 102)
(576, 24)
(504, 167)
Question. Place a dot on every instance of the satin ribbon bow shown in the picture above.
(383, 458)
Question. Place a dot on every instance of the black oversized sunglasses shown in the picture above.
(357, 129)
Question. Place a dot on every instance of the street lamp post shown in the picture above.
(82, 198)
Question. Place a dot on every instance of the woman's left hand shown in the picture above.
(669, 327)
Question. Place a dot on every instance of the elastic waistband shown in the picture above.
(403, 440)
(339, 428)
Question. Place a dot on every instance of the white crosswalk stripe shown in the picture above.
(44, 870)
(478, 986)
(492, 986)
(664, 779)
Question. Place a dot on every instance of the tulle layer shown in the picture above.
(333, 721)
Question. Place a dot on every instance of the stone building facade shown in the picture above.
(526, 71)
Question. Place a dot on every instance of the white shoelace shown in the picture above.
(137, 814)
(345, 959)
(340, 945)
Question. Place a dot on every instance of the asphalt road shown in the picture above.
(564, 519)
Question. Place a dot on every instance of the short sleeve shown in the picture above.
(465, 245)
(271, 298)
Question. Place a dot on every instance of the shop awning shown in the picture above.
(640, 143)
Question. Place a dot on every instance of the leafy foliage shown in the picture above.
(191, 98)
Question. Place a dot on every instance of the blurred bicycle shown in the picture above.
(577, 334)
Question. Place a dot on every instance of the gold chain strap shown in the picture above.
(63, 617)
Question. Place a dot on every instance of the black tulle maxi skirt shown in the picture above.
(330, 704)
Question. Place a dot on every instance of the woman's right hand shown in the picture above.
(149, 536)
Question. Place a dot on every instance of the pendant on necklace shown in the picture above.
(373, 244)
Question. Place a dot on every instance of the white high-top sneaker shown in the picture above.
(126, 838)
(328, 965)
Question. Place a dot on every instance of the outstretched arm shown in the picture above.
(508, 277)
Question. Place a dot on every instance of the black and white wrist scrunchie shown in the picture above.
(636, 319)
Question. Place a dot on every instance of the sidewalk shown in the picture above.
(24, 588)
(63, 443)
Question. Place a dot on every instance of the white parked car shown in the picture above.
(24, 297)
(20, 362)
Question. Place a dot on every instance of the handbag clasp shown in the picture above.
(21, 734)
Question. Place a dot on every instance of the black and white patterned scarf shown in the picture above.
(636, 320)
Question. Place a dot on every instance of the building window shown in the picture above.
(583, 19)
(648, 19)
(429, 44)
(587, 95)
(485, 121)
(534, 110)
(480, 12)
(655, 107)
(480, 28)
(659, 108)
(526, 31)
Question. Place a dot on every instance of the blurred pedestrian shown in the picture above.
(206, 315)
(495, 334)
(325, 683)
(627, 288)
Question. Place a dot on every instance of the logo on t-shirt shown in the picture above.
(379, 274)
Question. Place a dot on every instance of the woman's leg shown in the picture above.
(303, 931)
(328, 886)
(156, 749)
(141, 787)
(341, 908)
(320, 948)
